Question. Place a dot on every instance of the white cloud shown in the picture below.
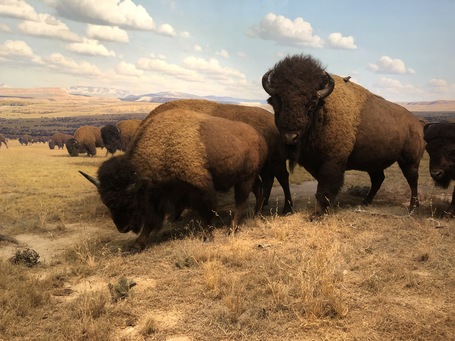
(212, 68)
(18, 50)
(128, 69)
(166, 30)
(285, 31)
(197, 48)
(68, 65)
(387, 65)
(17, 9)
(123, 13)
(107, 33)
(336, 40)
(438, 83)
(162, 66)
(185, 34)
(4, 28)
(91, 47)
(48, 26)
(223, 53)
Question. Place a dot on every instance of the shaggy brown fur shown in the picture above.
(118, 136)
(3, 140)
(349, 128)
(181, 158)
(85, 140)
(25, 139)
(263, 122)
(59, 140)
(440, 138)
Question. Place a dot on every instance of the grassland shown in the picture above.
(374, 273)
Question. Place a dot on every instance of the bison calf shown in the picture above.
(440, 138)
(181, 158)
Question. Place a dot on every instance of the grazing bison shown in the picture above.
(260, 119)
(330, 126)
(3, 140)
(117, 137)
(25, 139)
(440, 138)
(85, 140)
(180, 158)
(59, 140)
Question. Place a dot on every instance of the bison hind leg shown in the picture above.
(411, 173)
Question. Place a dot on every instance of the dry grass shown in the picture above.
(377, 273)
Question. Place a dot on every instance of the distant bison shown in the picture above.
(440, 138)
(180, 158)
(3, 140)
(118, 136)
(59, 140)
(331, 125)
(260, 119)
(25, 139)
(85, 140)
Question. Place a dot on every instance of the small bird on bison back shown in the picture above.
(331, 125)
(181, 158)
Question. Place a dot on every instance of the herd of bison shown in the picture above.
(185, 151)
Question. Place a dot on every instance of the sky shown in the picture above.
(402, 50)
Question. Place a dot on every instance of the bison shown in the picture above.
(440, 138)
(330, 126)
(25, 139)
(180, 158)
(118, 136)
(59, 140)
(260, 119)
(85, 140)
(3, 140)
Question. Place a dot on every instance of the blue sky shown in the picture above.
(402, 50)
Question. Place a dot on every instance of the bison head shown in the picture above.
(120, 190)
(297, 87)
(111, 138)
(72, 146)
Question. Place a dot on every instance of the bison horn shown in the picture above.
(323, 93)
(266, 83)
(93, 180)
(346, 79)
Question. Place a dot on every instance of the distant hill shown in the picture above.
(430, 106)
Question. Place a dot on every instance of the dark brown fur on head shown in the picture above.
(296, 80)
(119, 190)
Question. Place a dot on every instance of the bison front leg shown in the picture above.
(411, 173)
(451, 209)
(154, 222)
(242, 191)
(330, 180)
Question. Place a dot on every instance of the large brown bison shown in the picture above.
(180, 158)
(331, 125)
(260, 119)
(85, 140)
(59, 140)
(118, 136)
(440, 138)
(3, 140)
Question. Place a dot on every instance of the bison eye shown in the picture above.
(275, 102)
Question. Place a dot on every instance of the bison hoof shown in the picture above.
(287, 210)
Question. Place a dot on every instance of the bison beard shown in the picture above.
(338, 126)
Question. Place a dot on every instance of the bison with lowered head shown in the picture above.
(260, 119)
(440, 138)
(331, 125)
(180, 158)
(118, 136)
(59, 140)
(85, 140)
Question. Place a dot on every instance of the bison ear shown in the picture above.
(93, 180)
(323, 93)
